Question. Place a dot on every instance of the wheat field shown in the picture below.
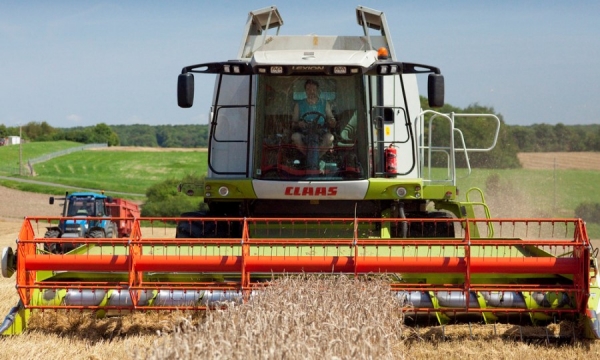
(560, 160)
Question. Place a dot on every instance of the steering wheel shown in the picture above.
(317, 116)
(312, 124)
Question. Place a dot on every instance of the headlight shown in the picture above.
(276, 69)
(73, 228)
(223, 191)
(400, 191)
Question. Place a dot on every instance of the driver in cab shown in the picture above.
(312, 113)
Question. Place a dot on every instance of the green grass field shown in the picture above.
(124, 171)
(9, 155)
(119, 171)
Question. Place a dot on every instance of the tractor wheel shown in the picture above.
(112, 231)
(96, 234)
(53, 248)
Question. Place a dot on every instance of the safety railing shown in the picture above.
(449, 145)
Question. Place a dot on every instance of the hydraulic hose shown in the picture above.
(10, 318)
(404, 224)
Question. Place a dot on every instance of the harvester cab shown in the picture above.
(321, 126)
(322, 160)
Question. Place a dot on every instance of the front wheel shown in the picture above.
(433, 229)
(53, 248)
(208, 229)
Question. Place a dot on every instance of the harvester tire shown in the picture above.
(433, 229)
(52, 248)
(193, 230)
(207, 229)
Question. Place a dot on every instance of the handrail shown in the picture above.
(491, 116)
(486, 209)
(451, 148)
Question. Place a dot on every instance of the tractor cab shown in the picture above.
(84, 204)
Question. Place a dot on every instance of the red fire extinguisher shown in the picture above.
(391, 161)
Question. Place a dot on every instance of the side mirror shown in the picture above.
(185, 90)
(51, 201)
(435, 90)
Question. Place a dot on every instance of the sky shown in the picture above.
(80, 63)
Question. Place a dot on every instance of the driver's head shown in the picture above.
(311, 87)
(311, 82)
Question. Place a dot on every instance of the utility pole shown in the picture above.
(20, 151)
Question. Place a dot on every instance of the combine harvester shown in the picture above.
(362, 182)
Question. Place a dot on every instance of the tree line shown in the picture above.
(185, 136)
(42, 131)
(169, 136)
(477, 132)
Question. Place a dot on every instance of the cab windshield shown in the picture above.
(81, 207)
(310, 127)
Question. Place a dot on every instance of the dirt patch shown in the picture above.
(561, 160)
(9, 230)
(16, 204)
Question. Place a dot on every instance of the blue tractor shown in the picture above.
(78, 207)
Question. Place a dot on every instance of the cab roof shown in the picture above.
(87, 194)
